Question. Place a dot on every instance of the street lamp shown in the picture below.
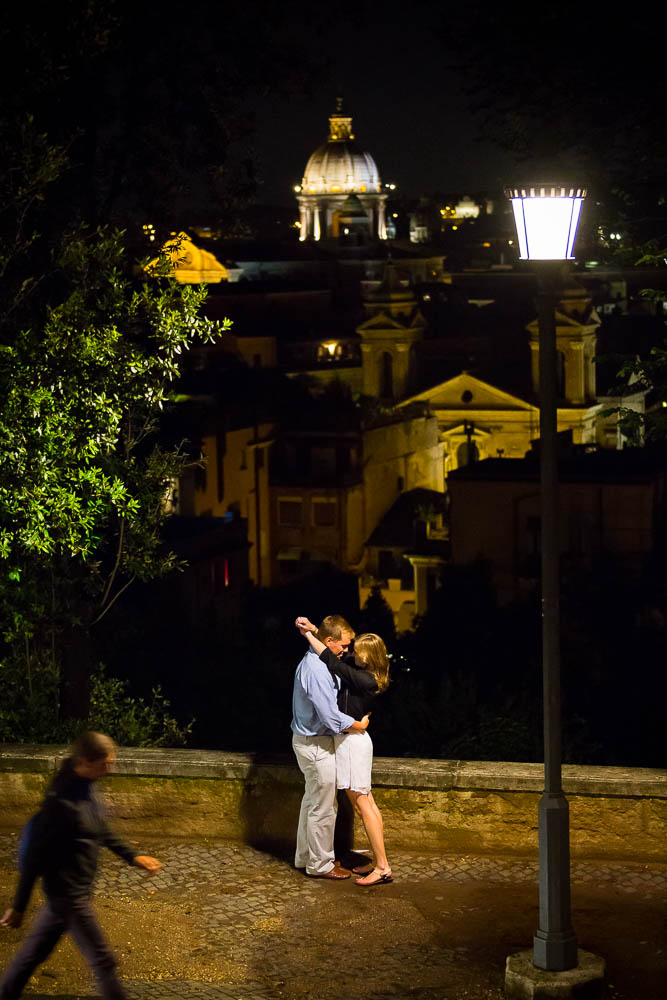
(546, 217)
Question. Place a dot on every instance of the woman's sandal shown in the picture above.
(376, 877)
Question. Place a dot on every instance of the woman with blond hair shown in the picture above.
(354, 751)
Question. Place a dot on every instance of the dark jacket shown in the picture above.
(65, 839)
(358, 689)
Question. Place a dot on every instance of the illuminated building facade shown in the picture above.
(341, 196)
(479, 420)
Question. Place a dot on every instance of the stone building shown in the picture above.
(609, 507)
(330, 488)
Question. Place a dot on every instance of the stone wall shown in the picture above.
(450, 806)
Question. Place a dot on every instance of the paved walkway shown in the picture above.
(225, 922)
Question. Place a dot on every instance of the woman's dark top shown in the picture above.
(359, 687)
(65, 839)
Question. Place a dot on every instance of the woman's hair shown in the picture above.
(373, 652)
(92, 746)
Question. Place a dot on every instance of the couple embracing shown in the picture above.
(333, 693)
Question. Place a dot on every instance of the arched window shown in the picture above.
(560, 374)
(386, 376)
(466, 454)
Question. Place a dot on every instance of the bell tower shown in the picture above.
(577, 323)
(388, 338)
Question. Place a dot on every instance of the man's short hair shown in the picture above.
(332, 627)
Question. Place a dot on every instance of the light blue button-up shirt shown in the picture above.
(314, 708)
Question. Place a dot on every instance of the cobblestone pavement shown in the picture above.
(223, 921)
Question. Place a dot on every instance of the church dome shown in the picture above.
(340, 166)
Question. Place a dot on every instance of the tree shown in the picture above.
(645, 368)
(88, 351)
(563, 90)
(377, 616)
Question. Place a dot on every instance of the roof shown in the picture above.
(340, 164)
(397, 528)
(603, 466)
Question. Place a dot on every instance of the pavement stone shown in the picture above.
(246, 896)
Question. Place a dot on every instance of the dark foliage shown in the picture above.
(465, 685)
(149, 103)
(564, 89)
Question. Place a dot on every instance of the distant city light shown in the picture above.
(297, 187)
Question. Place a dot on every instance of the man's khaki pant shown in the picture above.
(314, 840)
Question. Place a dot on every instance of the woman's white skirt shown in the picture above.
(354, 761)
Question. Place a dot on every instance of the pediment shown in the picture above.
(449, 396)
(565, 322)
(460, 430)
(383, 321)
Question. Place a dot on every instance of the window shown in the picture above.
(323, 462)
(290, 511)
(386, 375)
(324, 512)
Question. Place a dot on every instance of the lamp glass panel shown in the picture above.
(576, 212)
(517, 206)
(548, 228)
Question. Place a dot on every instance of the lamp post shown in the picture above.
(546, 217)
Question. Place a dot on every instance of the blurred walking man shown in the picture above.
(316, 718)
(63, 846)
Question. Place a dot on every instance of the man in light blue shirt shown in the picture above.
(316, 718)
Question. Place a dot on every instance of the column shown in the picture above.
(382, 228)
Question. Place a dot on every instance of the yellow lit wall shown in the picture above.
(237, 478)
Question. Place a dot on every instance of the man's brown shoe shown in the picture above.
(335, 873)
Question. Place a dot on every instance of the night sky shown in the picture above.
(408, 108)
(173, 115)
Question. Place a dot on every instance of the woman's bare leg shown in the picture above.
(372, 819)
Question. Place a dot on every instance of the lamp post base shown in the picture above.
(555, 943)
(526, 982)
